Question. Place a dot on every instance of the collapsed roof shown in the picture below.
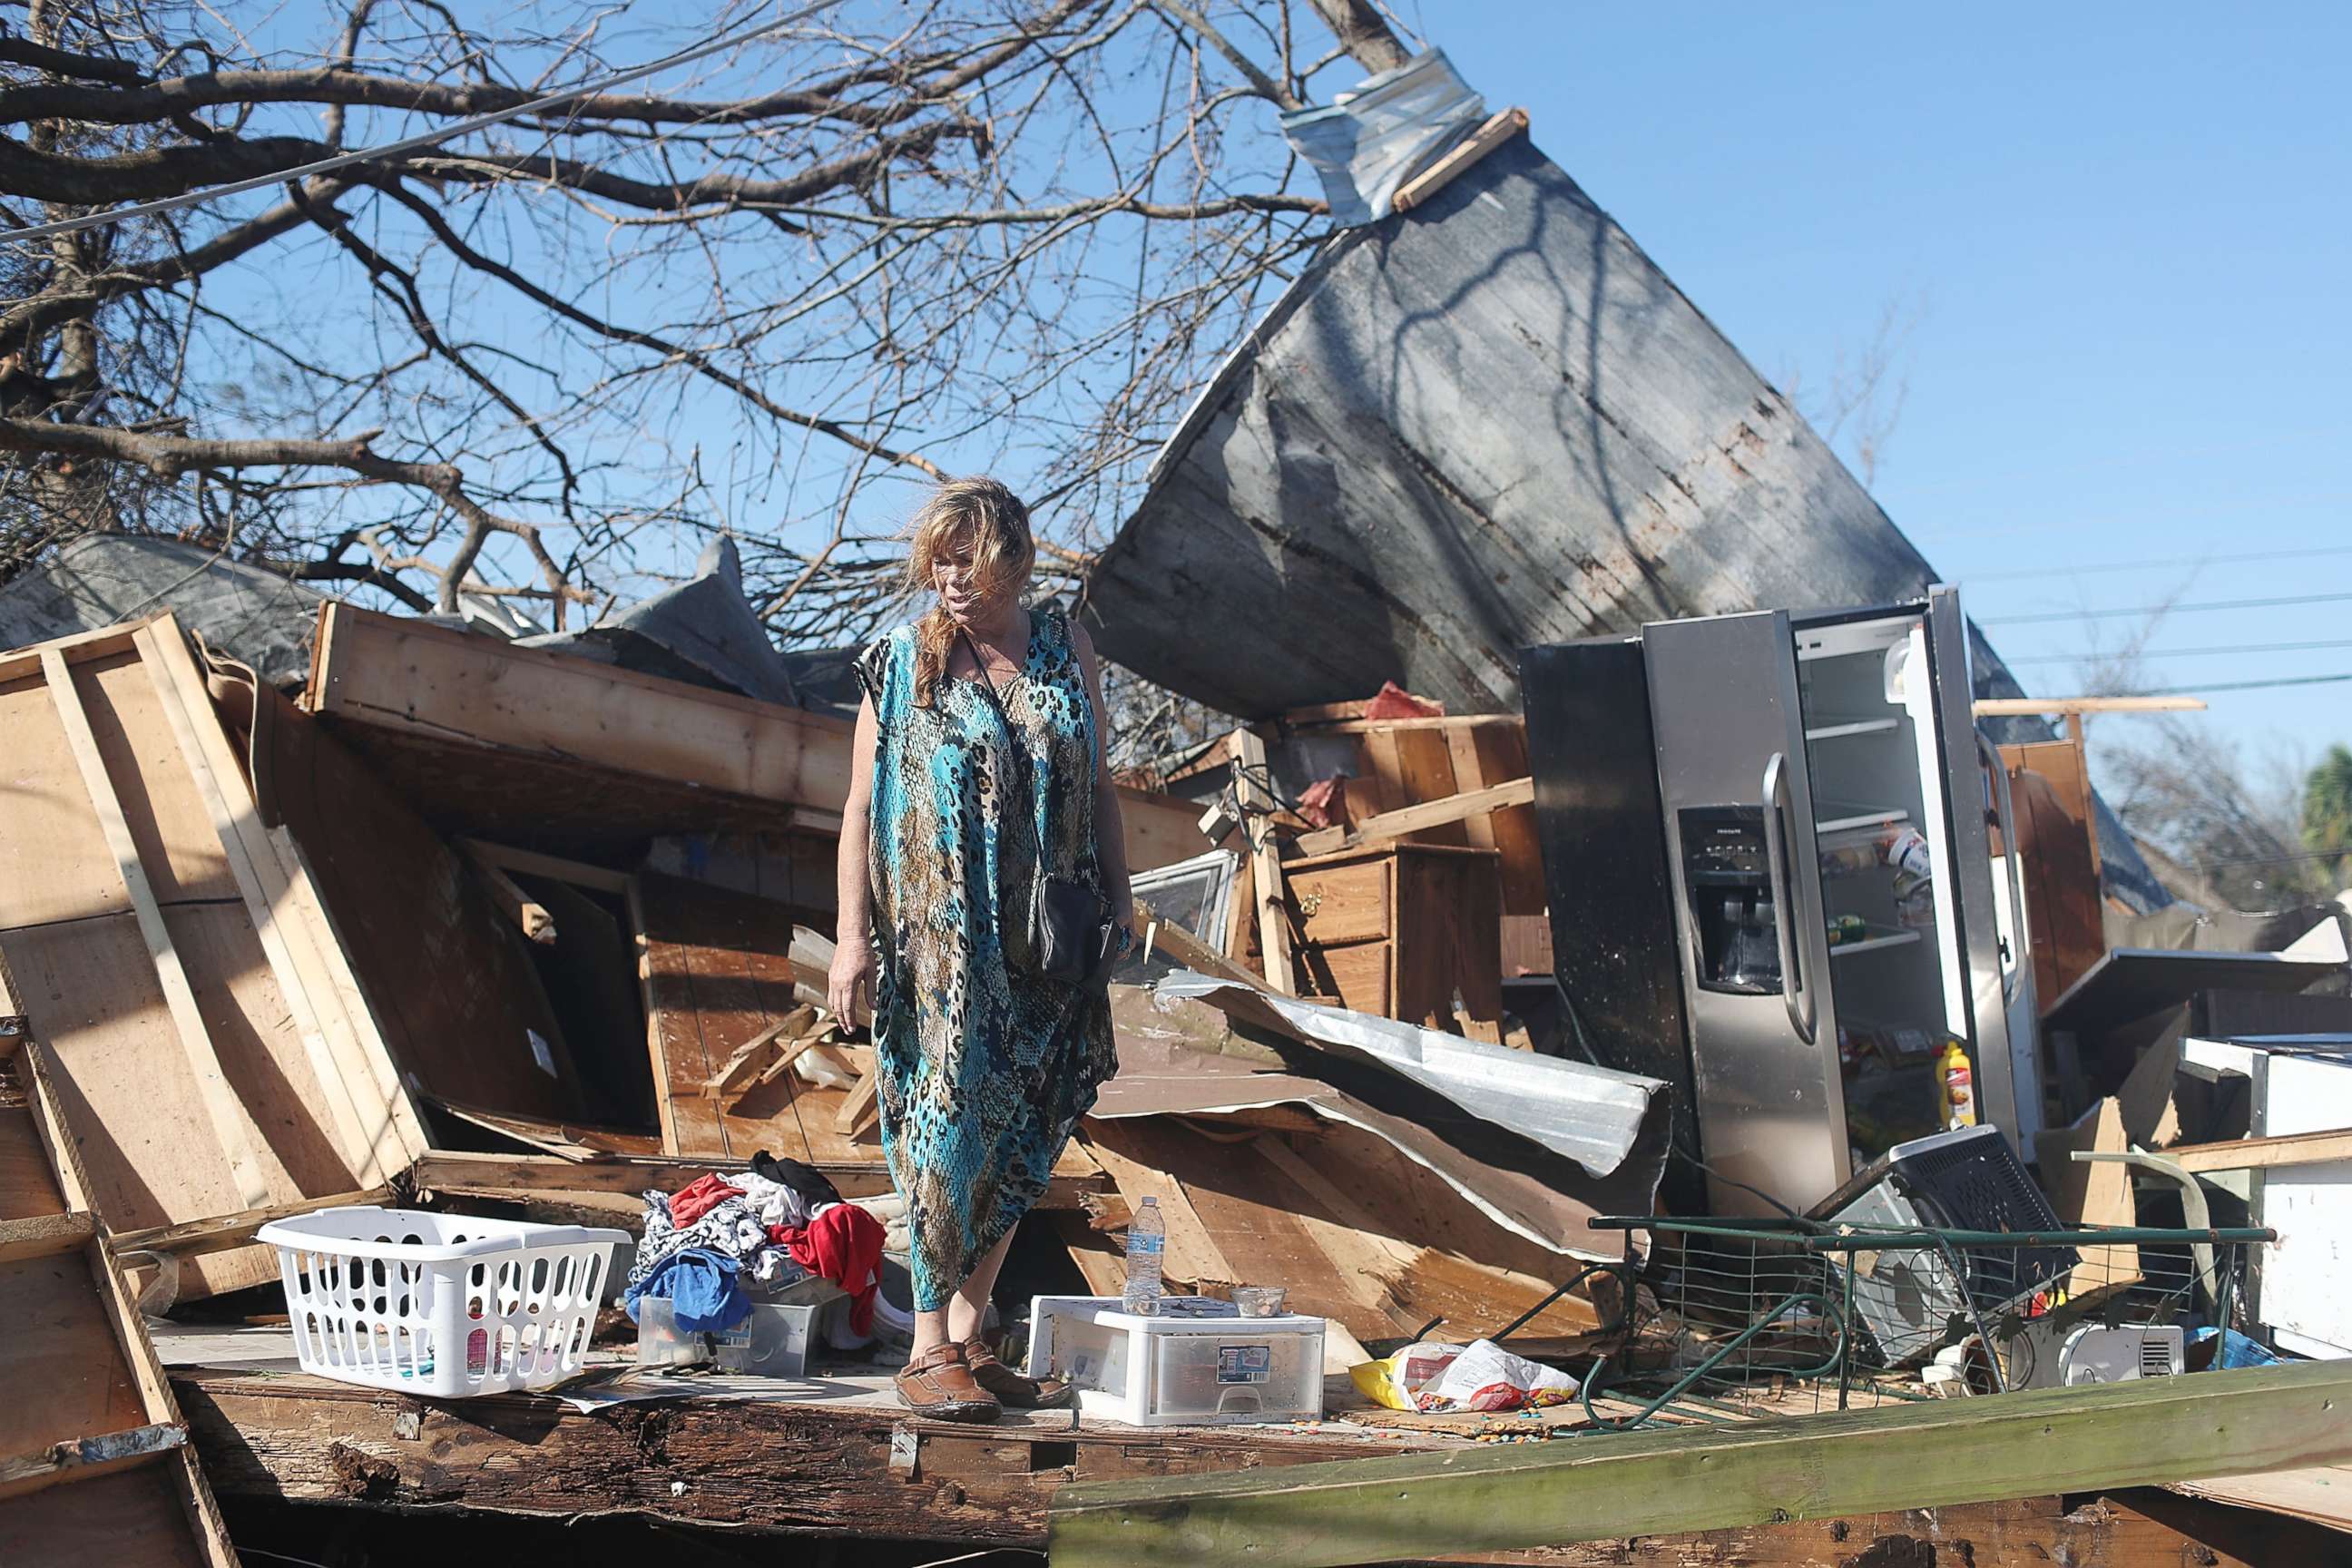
(1489, 423)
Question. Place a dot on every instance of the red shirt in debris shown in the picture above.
(691, 1201)
(844, 1244)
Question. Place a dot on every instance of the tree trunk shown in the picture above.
(1362, 33)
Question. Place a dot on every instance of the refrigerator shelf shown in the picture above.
(1832, 729)
(1853, 816)
(1879, 937)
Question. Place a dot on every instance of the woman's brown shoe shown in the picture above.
(1009, 1386)
(939, 1383)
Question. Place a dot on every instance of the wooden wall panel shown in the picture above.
(194, 1088)
(94, 1462)
(442, 969)
(2057, 832)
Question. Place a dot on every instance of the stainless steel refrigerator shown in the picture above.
(1772, 882)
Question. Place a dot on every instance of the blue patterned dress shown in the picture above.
(984, 1067)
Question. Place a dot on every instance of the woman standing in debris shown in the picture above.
(978, 773)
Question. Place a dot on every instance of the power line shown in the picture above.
(2163, 609)
(2201, 689)
(415, 144)
(2106, 566)
(2184, 652)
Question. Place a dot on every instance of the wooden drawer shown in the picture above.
(1350, 903)
(1356, 976)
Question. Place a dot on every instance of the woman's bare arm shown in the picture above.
(1110, 831)
(849, 984)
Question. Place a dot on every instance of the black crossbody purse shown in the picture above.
(1071, 930)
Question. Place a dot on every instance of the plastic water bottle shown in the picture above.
(1146, 1240)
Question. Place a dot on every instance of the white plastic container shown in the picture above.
(1175, 1371)
(445, 1306)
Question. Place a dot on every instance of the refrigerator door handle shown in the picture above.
(1784, 924)
(2006, 806)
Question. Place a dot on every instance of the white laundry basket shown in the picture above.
(440, 1305)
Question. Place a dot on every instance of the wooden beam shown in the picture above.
(2034, 707)
(2263, 1153)
(1190, 951)
(232, 1130)
(43, 1235)
(372, 1133)
(1437, 722)
(555, 868)
(516, 1176)
(1414, 1506)
(199, 1236)
(779, 1470)
(27, 661)
(1497, 130)
(745, 1464)
(400, 674)
(1415, 818)
(1265, 858)
(861, 1108)
(517, 905)
(749, 1057)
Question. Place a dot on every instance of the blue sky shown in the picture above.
(2120, 236)
(2123, 233)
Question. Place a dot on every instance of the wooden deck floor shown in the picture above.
(834, 1455)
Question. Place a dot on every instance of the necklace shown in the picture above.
(994, 663)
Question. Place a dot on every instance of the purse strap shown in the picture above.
(1003, 719)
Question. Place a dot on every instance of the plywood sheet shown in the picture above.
(178, 847)
(445, 974)
(78, 1372)
(129, 1095)
(135, 1517)
(66, 1376)
(54, 863)
(193, 1089)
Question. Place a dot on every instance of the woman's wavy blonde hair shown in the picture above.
(992, 520)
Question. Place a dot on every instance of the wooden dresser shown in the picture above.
(1400, 930)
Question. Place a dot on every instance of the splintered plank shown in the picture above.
(1413, 1505)
(1266, 861)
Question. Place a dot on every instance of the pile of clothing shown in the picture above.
(708, 1247)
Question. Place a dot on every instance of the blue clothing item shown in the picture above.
(703, 1289)
(985, 1068)
(2237, 1350)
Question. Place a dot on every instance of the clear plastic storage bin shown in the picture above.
(774, 1342)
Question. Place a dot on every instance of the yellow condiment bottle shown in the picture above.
(1956, 1093)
